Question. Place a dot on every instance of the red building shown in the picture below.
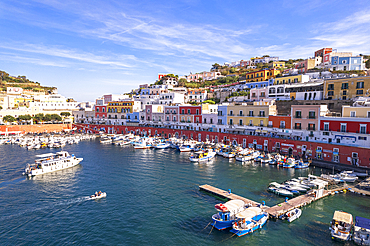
(323, 51)
(280, 121)
(101, 111)
(190, 114)
(345, 124)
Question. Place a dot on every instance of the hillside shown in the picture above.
(7, 80)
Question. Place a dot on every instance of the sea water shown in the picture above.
(153, 198)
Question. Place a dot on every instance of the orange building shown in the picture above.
(280, 121)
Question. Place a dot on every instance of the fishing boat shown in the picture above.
(50, 162)
(202, 156)
(98, 195)
(226, 213)
(292, 215)
(266, 159)
(290, 163)
(341, 226)
(248, 221)
(301, 164)
(361, 234)
(162, 146)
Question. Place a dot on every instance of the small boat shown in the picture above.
(202, 156)
(361, 234)
(98, 195)
(341, 226)
(301, 164)
(248, 221)
(292, 215)
(162, 146)
(290, 163)
(226, 215)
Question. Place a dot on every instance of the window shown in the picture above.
(241, 113)
(360, 85)
(326, 126)
(205, 121)
(231, 113)
(297, 126)
(344, 93)
(240, 122)
(182, 111)
(298, 114)
(197, 111)
(344, 86)
(311, 127)
(330, 87)
(211, 121)
(343, 127)
(330, 93)
(353, 113)
(359, 92)
(262, 113)
(250, 112)
(188, 111)
(231, 121)
(363, 129)
(311, 115)
(368, 114)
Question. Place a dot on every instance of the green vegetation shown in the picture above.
(24, 117)
(21, 81)
(65, 114)
(47, 117)
(358, 72)
(8, 118)
(208, 101)
(237, 94)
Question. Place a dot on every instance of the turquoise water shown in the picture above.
(152, 198)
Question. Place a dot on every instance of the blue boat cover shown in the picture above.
(363, 222)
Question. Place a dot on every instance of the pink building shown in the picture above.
(257, 94)
(171, 114)
(306, 117)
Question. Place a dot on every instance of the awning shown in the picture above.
(363, 222)
(343, 216)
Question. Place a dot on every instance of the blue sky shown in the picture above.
(88, 48)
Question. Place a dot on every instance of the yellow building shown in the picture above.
(349, 111)
(248, 115)
(261, 75)
(301, 78)
(346, 88)
(119, 109)
(277, 64)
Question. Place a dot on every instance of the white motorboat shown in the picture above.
(202, 156)
(162, 146)
(292, 214)
(98, 195)
(50, 162)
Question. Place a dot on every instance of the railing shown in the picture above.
(298, 116)
(298, 128)
(312, 117)
(240, 115)
(282, 126)
(230, 115)
(311, 128)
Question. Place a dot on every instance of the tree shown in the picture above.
(65, 114)
(182, 82)
(1, 108)
(367, 64)
(24, 117)
(39, 117)
(56, 117)
(9, 118)
(47, 117)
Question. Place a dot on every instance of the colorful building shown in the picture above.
(346, 88)
(323, 51)
(277, 64)
(280, 121)
(261, 75)
(190, 114)
(358, 112)
(306, 117)
(347, 63)
(248, 115)
(300, 78)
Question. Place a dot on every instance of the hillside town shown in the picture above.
(323, 99)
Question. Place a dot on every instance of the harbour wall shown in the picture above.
(37, 128)
(322, 153)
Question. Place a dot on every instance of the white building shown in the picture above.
(55, 102)
(171, 98)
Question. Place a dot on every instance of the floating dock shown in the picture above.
(278, 209)
(226, 195)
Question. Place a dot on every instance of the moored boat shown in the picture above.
(226, 215)
(292, 214)
(361, 234)
(341, 226)
(248, 221)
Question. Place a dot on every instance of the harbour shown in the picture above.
(152, 183)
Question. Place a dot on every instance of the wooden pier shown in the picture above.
(278, 209)
(226, 195)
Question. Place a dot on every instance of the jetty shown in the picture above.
(278, 209)
(226, 195)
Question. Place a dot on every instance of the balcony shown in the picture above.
(298, 116)
(282, 126)
(311, 128)
(261, 115)
(261, 125)
(240, 115)
(251, 115)
(167, 112)
(270, 126)
(230, 115)
(312, 117)
(298, 128)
